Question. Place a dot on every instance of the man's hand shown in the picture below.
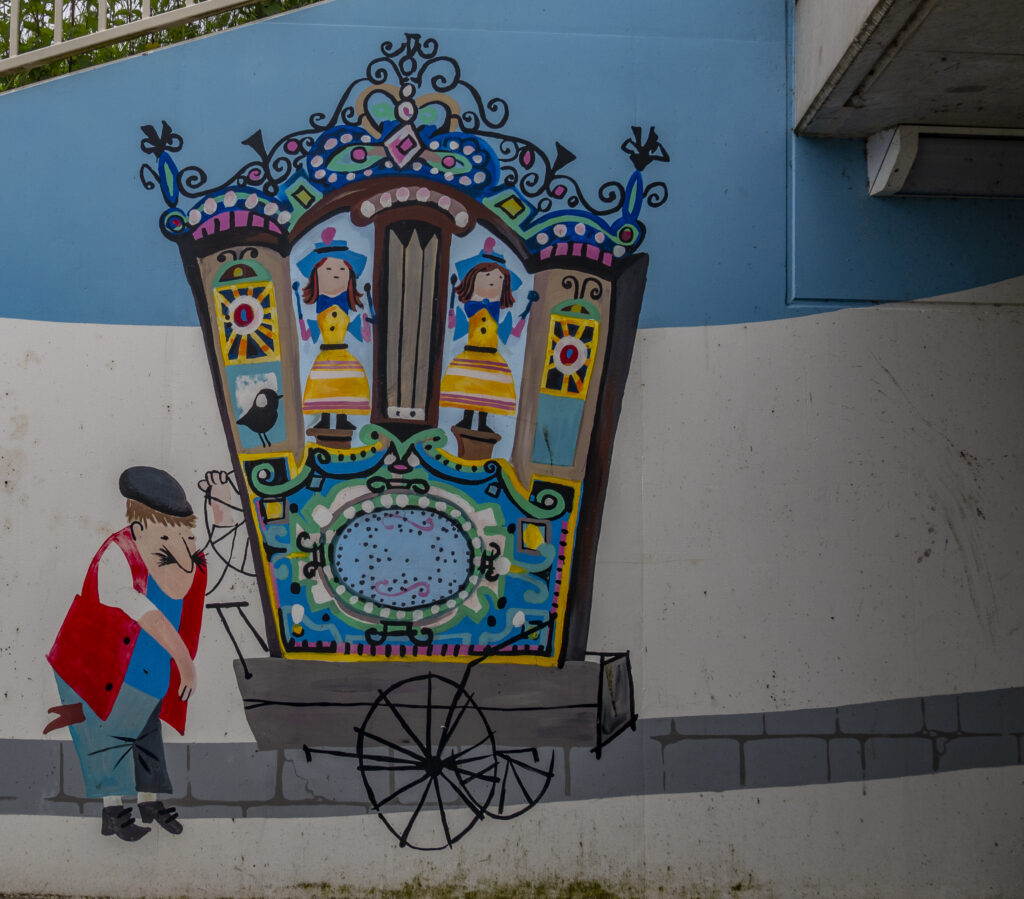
(220, 492)
(189, 681)
(160, 629)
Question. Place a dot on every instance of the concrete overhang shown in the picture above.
(951, 71)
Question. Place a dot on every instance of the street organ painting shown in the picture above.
(419, 329)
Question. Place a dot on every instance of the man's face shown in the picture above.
(166, 545)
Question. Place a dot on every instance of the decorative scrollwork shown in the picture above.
(408, 57)
(157, 144)
(572, 284)
(612, 193)
(315, 548)
(235, 255)
(487, 560)
(410, 63)
(268, 478)
(192, 180)
(596, 291)
(377, 484)
(492, 468)
(376, 636)
(409, 97)
(642, 151)
(551, 501)
(423, 636)
(148, 176)
(527, 167)
(655, 194)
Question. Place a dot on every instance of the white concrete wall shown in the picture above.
(817, 511)
(802, 513)
(917, 838)
(830, 510)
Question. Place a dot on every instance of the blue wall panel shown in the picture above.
(848, 245)
(755, 216)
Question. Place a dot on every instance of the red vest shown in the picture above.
(96, 641)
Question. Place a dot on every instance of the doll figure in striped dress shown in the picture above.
(479, 379)
(336, 383)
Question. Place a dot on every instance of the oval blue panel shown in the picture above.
(402, 558)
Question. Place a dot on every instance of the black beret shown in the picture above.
(155, 488)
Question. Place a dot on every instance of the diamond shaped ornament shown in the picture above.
(403, 145)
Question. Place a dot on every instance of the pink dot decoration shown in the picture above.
(254, 174)
(448, 162)
(291, 146)
(359, 154)
(527, 157)
(559, 191)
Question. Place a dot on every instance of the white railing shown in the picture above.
(103, 35)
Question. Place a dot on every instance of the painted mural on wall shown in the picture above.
(419, 329)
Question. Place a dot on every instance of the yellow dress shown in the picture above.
(336, 382)
(479, 379)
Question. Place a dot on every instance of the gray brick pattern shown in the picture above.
(223, 772)
(845, 759)
(785, 761)
(707, 753)
(710, 765)
(897, 757)
(868, 741)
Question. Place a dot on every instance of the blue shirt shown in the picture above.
(150, 667)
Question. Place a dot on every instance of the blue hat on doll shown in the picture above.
(489, 254)
(329, 248)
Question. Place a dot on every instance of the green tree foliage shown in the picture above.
(80, 18)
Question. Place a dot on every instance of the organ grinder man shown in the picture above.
(123, 657)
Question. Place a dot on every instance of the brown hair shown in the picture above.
(136, 511)
(465, 289)
(312, 289)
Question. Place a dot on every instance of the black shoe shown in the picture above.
(118, 822)
(166, 817)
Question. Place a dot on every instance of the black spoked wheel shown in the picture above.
(427, 757)
(523, 778)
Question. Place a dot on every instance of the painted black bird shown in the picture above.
(262, 414)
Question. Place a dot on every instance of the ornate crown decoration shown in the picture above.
(412, 113)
